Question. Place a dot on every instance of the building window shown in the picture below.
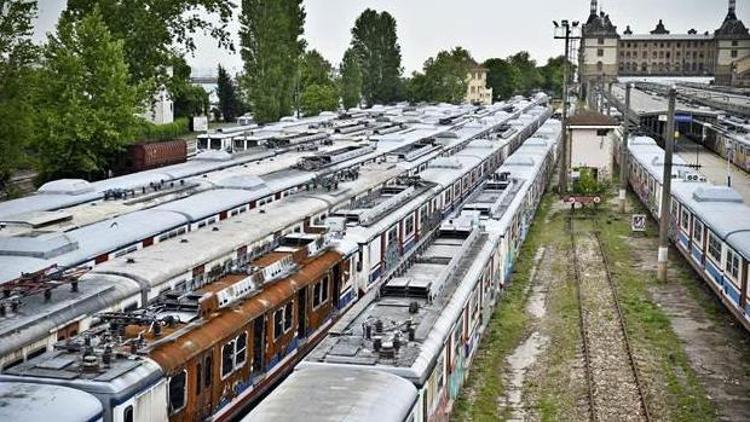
(177, 391)
(600, 52)
(599, 66)
(734, 54)
(600, 41)
(735, 43)
(714, 247)
(282, 320)
(733, 264)
(320, 292)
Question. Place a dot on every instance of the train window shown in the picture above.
(288, 316)
(177, 386)
(392, 235)
(409, 225)
(320, 292)
(440, 368)
(127, 414)
(198, 381)
(240, 354)
(698, 231)
(278, 323)
(685, 219)
(714, 247)
(208, 371)
(733, 264)
(227, 359)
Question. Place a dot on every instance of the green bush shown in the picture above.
(587, 183)
(153, 132)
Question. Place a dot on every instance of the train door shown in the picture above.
(259, 333)
(336, 295)
(301, 313)
(203, 385)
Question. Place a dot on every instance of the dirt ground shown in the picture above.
(718, 347)
(693, 359)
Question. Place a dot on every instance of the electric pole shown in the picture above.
(666, 189)
(624, 148)
(565, 31)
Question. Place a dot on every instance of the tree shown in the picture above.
(444, 78)
(502, 77)
(317, 98)
(17, 54)
(315, 70)
(189, 99)
(350, 85)
(227, 93)
(86, 107)
(529, 76)
(552, 74)
(375, 44)
(271, 41)
(316, 85)
(446, 75)
(150, 29)
(416, 88)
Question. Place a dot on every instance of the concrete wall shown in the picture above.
(590, 150)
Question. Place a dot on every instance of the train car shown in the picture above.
(33, 402)
(705, 223)
(150, 155)
(339, 394)
(425, 321)
(210, 352)
(184, 262)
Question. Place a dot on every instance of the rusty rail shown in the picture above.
(581, 324)
(623, 324)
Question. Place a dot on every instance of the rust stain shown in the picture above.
(226, 323)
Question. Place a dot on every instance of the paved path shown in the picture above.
(714, 167)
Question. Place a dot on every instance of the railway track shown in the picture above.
(614, 387)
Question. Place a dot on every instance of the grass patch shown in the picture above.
(485, 385)
(673, 389)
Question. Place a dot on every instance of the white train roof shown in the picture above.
(720, 208)
(338, 394)
(34, 402)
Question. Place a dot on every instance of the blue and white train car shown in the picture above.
(710, 225)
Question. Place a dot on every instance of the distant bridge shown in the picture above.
(204, 79)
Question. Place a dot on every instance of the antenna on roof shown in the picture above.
(594, 7)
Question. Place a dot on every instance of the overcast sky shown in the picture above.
(487, 28)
